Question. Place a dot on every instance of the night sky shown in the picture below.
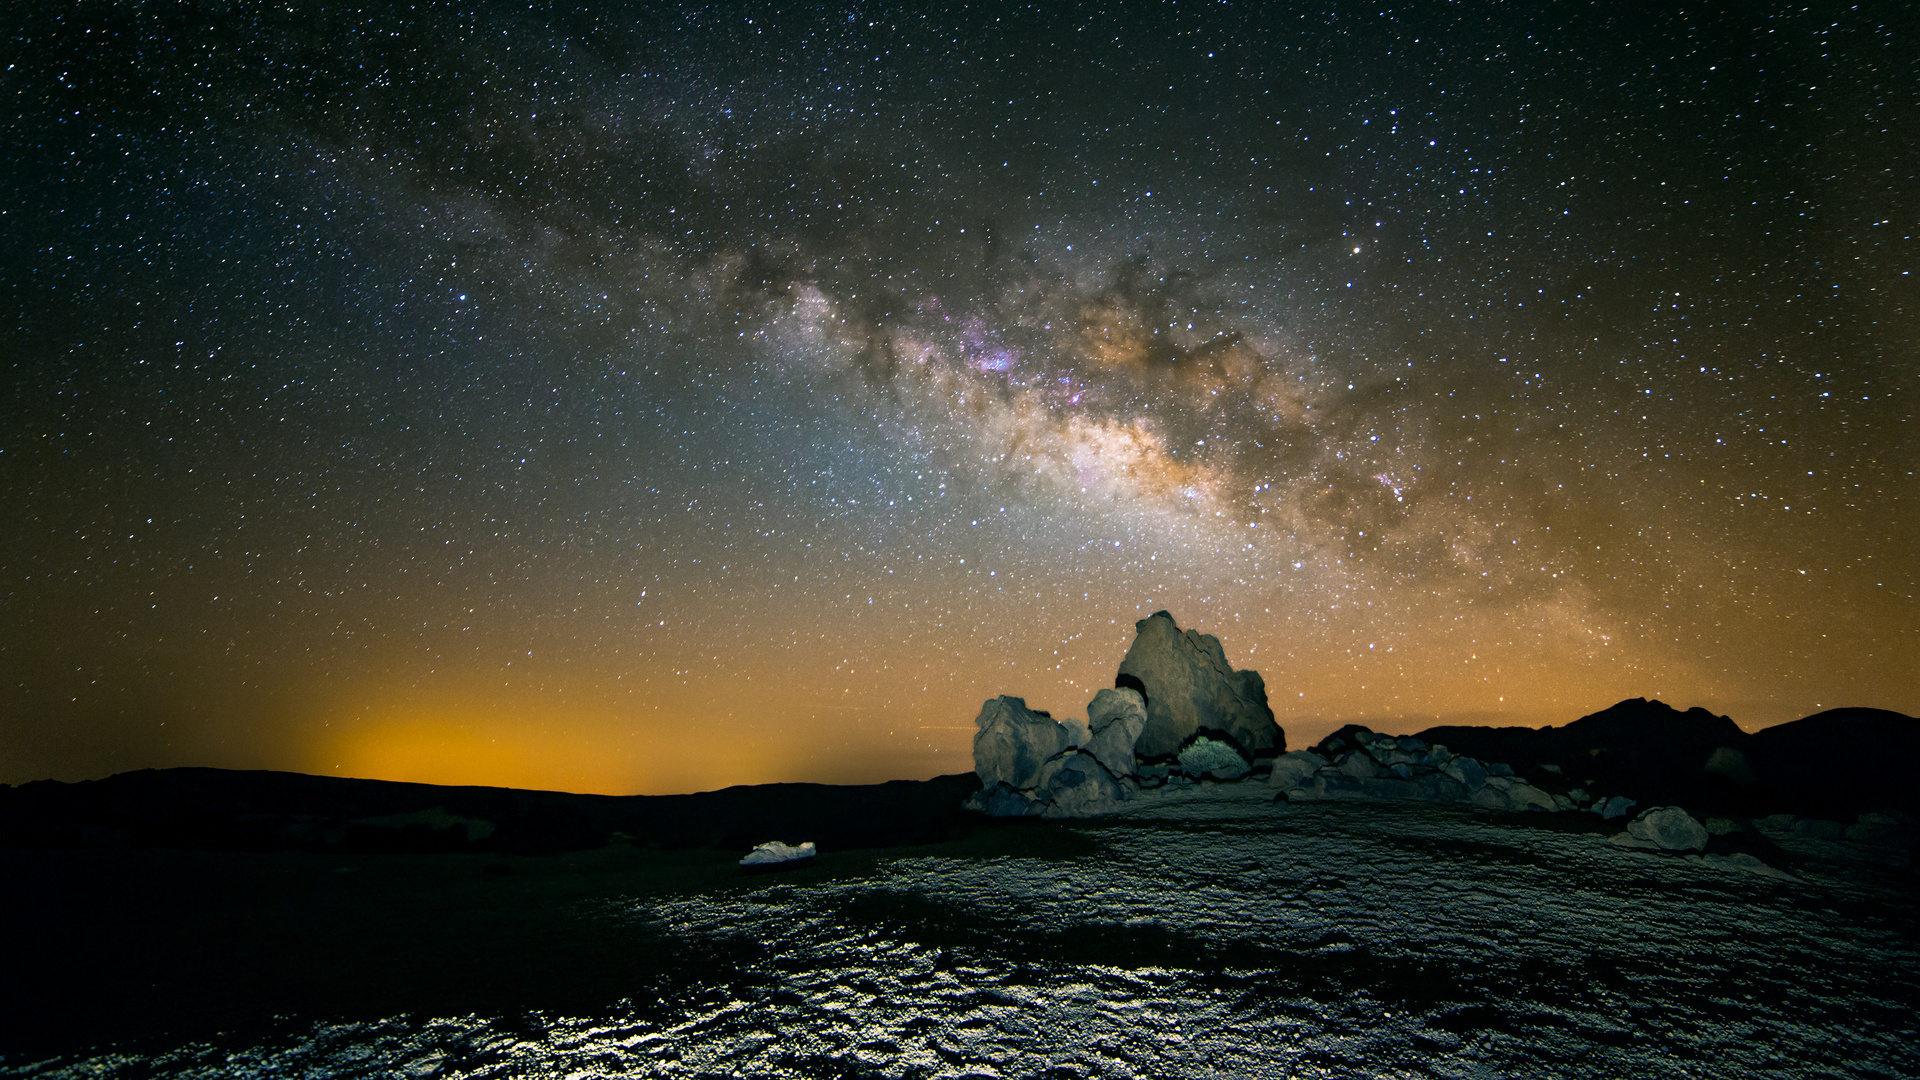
(647, 399)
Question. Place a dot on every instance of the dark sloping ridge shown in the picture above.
(1853, 759)
(1836, 764)
(264, 811)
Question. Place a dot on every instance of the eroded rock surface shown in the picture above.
(1191, 688)
(1029, 763)
(1116, 717)
(1011, 742)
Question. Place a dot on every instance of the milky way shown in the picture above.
(635, 399)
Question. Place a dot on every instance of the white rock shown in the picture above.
(774, 853)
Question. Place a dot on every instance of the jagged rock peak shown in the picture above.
(1190, 688)
(1011, 742)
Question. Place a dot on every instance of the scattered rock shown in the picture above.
(1670, 828)
(1887, 827)
(1189, 686)
(1290, 770)
(1360, 765)
(1816, 829)
(1617, 807)
(1468, 772)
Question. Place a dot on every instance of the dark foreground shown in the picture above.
(1215, 934)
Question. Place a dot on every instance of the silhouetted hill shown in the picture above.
(1836, 764)
(224, 809)
(1843, 762)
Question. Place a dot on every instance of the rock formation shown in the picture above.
(1179, 715)
(1190, 689)
(1117, 717)
(1012, 742)
(1356, 763)
(1176, 702)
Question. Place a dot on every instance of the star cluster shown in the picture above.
(648, 399)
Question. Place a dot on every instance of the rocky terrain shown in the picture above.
(1179, 715)
(1216, 932)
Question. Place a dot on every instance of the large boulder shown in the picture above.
(1295, 769)
(1189, 687)
(1011, 742)
(1116, 717)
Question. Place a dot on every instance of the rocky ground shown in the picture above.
(1208, 930)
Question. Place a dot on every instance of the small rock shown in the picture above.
(1890, 827)
(1720, 826)
(1499, 768)
(1491, 798)
(1670, 827)
(1292, 770)
(1468, 771)
(1359, 765)
(1616, 807)
(1526, 795)
(1814, 829)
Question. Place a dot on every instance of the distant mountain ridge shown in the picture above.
(224, 809)
(1835, 764)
